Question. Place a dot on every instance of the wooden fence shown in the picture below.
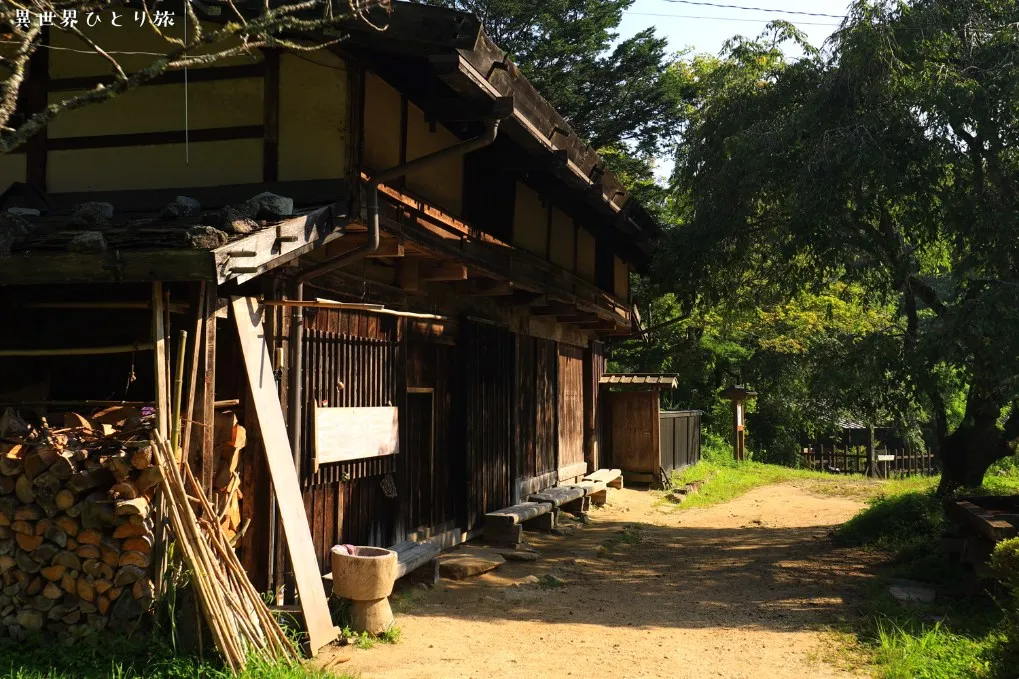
(890, 463)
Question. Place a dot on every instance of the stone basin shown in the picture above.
(365, 576)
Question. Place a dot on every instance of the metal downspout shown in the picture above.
(372, 208)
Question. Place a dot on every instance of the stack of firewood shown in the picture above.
(76, 535)
(230, 439)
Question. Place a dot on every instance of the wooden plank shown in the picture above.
(277, 245)
(208, 398)
(343, 434)
(986, 523)
(524, 511)
(36, 99)
(606, 476)
(104, 141)
(279, 459)
(559, 495)
(413, 555)
(570, 471)
(271, 116)
(194, 75)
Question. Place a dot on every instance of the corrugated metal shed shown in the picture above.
(646, 380)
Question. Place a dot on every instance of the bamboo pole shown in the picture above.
(240, 622)
(178, 386)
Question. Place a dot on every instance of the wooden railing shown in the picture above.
(889, 463)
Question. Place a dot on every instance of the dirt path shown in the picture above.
(735, 590)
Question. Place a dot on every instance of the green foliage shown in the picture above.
(884, 165)
(105, 658)
(907, 526)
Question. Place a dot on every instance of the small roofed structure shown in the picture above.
(645, 442)
(657, 381)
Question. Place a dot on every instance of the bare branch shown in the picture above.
(284, 26)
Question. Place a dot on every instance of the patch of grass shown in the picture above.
(727, 480)
(929, 652)
(364, 640)
(101, 657)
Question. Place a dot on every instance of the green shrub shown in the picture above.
(900, 524)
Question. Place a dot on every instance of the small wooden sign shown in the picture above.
(343, 434)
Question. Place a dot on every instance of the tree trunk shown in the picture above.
(974, 446)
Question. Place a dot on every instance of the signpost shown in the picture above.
(738, 394)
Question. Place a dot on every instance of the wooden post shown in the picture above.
(205, 392)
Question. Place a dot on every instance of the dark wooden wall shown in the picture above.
(571, 405)
(351, 359)
(546, 395)
(438, 486)
(486, 353)
(537, 366)
(594, 366)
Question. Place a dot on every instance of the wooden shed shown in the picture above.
(645, 442)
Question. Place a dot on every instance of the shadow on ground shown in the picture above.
(633, 574)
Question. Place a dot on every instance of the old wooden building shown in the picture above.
(439, 249)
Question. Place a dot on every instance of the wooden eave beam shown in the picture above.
(113, 266)
(389, 246)
(486, 288)
(458, 109)
(554, 310)
(578, 319)
(273, 246)
(523, 298)
(443, 272)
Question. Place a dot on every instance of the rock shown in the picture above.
(88, 241)
(515, 554)
(181, 208)
(13, 229)
(232, 221)
(911, 592)
(205, 237)
(92, 213)
(458, 566)
(268, 205)
(529, 580)
(24, 211)
(549, 580)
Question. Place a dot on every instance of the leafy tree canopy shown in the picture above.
(887, 163)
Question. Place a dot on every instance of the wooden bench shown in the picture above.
(570, 498)
(414, 555)
(613, 478)
(506, 526)
(595, 491)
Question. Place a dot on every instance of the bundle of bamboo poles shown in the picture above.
(241, 624)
